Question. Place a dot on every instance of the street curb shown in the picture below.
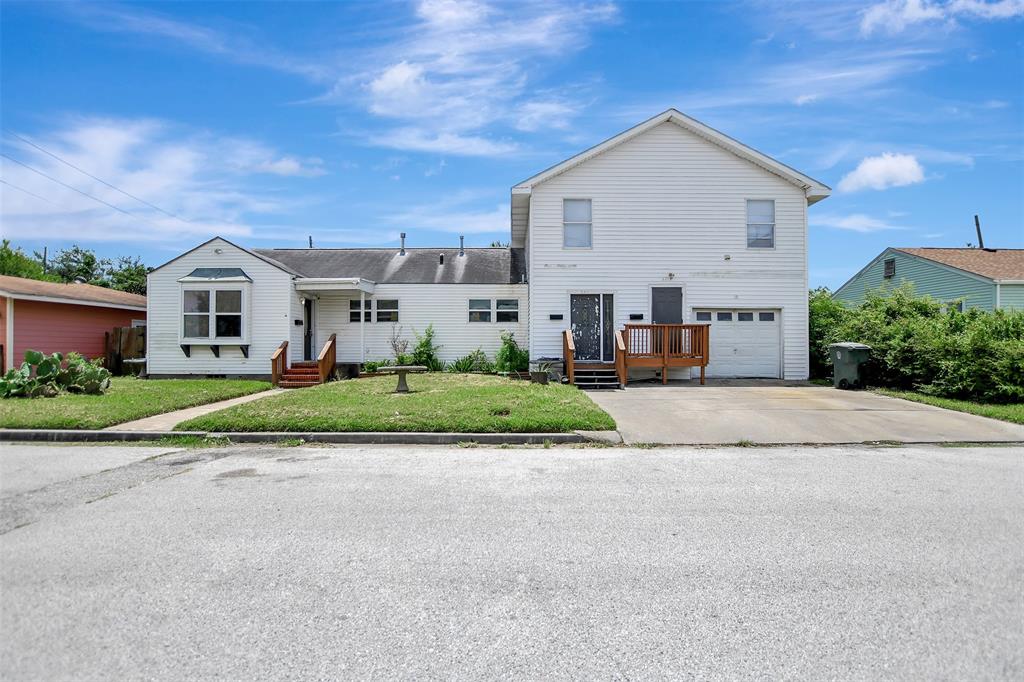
(352, 438)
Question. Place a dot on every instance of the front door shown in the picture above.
(307, 326)
(667, 305)
(592, 320)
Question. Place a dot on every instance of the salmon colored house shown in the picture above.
(61, 318)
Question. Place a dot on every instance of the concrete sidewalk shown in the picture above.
(723, 413)
(168, 420)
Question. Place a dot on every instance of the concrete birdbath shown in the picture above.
(401, 371)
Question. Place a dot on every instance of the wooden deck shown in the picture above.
(652, 346)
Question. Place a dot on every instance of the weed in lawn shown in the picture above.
(192, 441)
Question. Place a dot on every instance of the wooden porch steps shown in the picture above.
(595, 376)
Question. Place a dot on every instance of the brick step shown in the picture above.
(303, 370)
(289, 383)
(304, 364)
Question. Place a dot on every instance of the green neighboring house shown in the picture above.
(984, 278)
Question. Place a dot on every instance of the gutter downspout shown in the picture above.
(9, 341)
(999, 303)
(362, 328)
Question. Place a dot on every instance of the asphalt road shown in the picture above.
(260, 563)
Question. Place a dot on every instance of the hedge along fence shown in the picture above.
(922, 344)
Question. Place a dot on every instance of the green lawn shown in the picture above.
(126, 399)
(1013, 412)
(439, 402)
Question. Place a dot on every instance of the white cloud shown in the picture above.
(456, 214)
(419, 140)
(895, 16)
(856, 222)
(466, 67)
(201, 184)
(805, 99)
(883, 172)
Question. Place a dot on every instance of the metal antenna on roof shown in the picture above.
(311, 241)
(977, 226)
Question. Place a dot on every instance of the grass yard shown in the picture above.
(127, 399)
(1013, 412)
(439, 402)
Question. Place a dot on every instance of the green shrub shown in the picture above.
(425, 351)
(474, 362)
(510, 357)
(48, 375)
(921, 344)
(374, 365)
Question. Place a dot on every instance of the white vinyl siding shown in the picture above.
(670, 207)
(443, 305)
(267, 313)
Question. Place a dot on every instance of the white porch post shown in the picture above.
(362, 327)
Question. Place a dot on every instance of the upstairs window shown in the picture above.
(889, 268)
(577, 232)
(760, 223)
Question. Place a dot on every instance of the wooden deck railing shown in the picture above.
(325, 361)
(667, 345)
(569, 354)
(620, 360)
(278, 363)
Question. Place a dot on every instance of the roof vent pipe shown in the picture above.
(402, 252)
(462, 245)
(442, 259)
(977, 226)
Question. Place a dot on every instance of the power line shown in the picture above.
(59, 182)
(84, 172)
(22, 189)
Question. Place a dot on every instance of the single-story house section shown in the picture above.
(640, 248)
(60, 318)
(983, 278)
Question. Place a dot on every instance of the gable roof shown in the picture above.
(417, 266)
(77, 294)
(266, 259)
(995, 264)
(814, 189)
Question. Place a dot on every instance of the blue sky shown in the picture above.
(352, 122)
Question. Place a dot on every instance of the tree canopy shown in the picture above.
(75, 264)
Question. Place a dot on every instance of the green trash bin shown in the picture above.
(847, 358)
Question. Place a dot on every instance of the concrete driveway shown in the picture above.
(778, 412)
(253, 563)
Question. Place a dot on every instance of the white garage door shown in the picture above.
(744, 343)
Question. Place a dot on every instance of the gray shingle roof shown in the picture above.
(417, 266)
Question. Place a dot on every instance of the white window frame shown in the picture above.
(367, 310)
(397, 310)
(591, 223)
(492, 309)
(774, 223)
(212, 339)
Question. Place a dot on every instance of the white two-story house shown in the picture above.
(669, 222)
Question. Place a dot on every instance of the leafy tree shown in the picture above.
(128, 274)
(16, 263)
(496, 244)
(78, 264)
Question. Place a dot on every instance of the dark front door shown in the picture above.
(592, 322)
(667, 305)
(307, 327)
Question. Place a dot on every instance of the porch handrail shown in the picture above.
(278, 363)
(620, 359)
(663, 346)
(325, 361)
(569, 354)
